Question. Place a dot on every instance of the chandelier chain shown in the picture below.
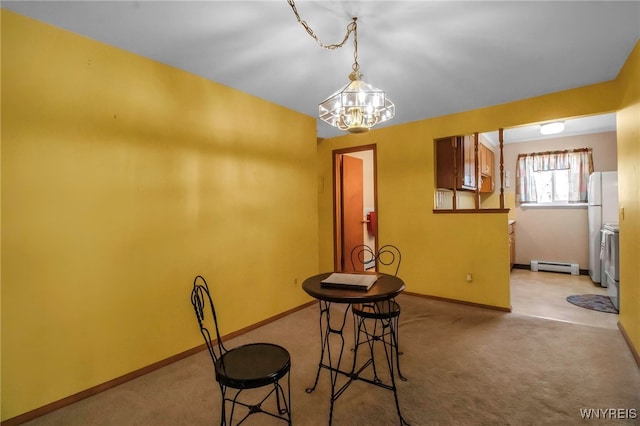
(351, 28)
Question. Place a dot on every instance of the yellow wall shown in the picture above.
(122, 179)
(430, 243)
(440, 249)
(628, 128)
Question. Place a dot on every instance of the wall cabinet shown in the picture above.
(455, 163)
(486, 167)
(512, 244)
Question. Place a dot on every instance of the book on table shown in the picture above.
(346, 281)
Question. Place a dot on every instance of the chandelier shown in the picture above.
(358, 106)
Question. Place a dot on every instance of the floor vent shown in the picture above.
(543, 265)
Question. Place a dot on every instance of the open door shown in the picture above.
(354, 203)
(352, 209)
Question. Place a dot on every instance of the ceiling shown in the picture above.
(573, 127)
(431, 57)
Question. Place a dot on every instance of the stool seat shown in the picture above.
(253, 365)
(379, 310)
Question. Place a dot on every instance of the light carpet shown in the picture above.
(465, 366)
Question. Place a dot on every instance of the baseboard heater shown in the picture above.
(543, 265)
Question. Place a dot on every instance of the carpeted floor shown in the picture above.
(465, 365)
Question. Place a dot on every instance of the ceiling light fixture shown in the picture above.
(358, 106)
(552, 128)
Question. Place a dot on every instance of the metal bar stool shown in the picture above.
(250, 366)
(385, 314)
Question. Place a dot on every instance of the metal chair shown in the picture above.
(250, 366)
(385, 314)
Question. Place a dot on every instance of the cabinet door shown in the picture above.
(449, 163)
(482, 157)
(469, 163)
(455, 163)
(492, 167)
(486, 159)
(486, 166)
(490, 163)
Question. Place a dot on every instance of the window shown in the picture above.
(558, 177)
(552, 186)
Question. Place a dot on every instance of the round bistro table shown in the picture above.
(386, 287)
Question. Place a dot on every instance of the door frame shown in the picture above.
(337, 193)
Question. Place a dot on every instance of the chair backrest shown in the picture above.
(360, 256)
(201, 301)
(389, 255)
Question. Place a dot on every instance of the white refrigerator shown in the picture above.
(602, 208)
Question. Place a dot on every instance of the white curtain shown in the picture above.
(579, 162)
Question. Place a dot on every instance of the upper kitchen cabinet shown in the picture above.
(465, 174)
(455, 163)
(486, 167)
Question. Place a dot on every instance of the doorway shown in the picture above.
(596, 132)
(355, 203)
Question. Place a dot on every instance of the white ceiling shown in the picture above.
(431, 57)
(573, 127)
